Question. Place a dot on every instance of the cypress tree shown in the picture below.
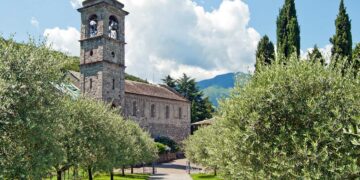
(315, 56)
(265, 52)
(342, 40)
(288, 30)
(356, 59)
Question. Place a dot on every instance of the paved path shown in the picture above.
(175, 170)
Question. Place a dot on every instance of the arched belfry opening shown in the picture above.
(93, 25)
(113, 27)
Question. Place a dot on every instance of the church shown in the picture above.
(158, 109)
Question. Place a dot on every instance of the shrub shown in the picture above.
(168, 142)
(161, 148)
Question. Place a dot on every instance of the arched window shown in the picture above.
(153, 110)
(113, 27)
(93, 23)
(180, 113)
(167, 112)
(134, 108)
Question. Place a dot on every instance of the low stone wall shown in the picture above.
(166, 157)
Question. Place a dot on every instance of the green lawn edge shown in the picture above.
(204, 177)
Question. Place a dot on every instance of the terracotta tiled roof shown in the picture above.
(152, 90)
(139, 88)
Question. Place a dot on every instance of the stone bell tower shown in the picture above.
(102, 57)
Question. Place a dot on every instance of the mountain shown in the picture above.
(220, 86)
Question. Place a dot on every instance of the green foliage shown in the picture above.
(162, 148)
(204, 147)
(342, 40)
(295, 122)
(169, 81)
(288, 31)
(356, 59)
(204, 177)
(28, 109)
(41, 130)
(265, 53)
(201, 107)
(134, 78)
(168, 142)
(143, 148)
(316, 56)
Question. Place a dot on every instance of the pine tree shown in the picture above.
(342, 40)
(169, 81)
(201, 107)
(288, 30)
(265, 52)
(315, 56)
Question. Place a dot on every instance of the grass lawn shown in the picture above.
(204, 177)
(126, 177)
(117, 177)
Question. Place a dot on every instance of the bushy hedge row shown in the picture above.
(301, 120)
(43, 132)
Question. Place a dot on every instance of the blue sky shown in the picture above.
(61, 21)
(316, 18)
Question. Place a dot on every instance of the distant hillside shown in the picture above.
(220, 86)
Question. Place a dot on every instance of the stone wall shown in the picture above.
(173, 126)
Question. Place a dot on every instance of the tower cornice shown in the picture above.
(103, 37)
(112, 3)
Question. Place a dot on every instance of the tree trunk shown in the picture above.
(74, 173)
(111, 175)
(215, 171)
(59, 173)
(123, 171)
(90, 173)
(132, 169)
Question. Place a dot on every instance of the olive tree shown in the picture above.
(295, 121)
(204, 147)
(28, 109)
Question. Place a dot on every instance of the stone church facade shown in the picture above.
(158, 109)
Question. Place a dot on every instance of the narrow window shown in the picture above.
(91, 53)
(167, 112)
(112, 54)
(134, 108)
(180, 113)
(113, 84)
(143, 110)
(91, 83)
(153, 110)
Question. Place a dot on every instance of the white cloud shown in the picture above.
(178, 36)
(34, 22)
(181, 36)
(65, 40)
(76, 3)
